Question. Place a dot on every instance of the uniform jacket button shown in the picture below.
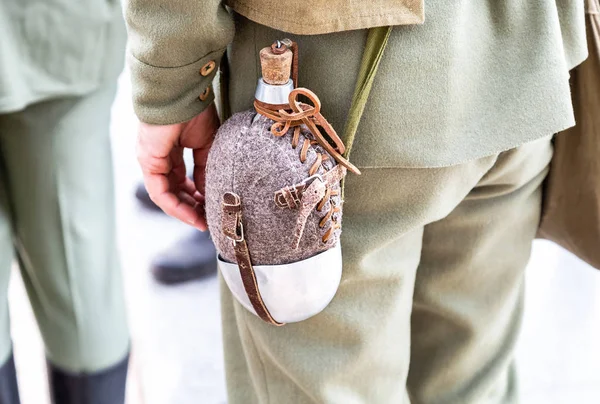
(208, 68)
(204, 94)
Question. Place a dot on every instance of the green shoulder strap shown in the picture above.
(377, 39)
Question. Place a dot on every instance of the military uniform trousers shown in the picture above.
(57, 218)
(431, 298)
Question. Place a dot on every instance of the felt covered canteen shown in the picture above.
(273, 197)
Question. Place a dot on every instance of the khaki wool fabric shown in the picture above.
(475, 79)
(323, 17)
(254, 164)
(431, 298)
(169, 42)
(443, 94)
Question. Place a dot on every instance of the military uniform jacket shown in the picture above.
(473, 79)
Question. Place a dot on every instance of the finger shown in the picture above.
(199, 197)
(179, 209)
(201, 224)
(178, 163)
(200, 160)
(189, 187)
(198, 208)
(184, 188)
(156, 184)
(177, 176)
(161, 193)
(187, 198)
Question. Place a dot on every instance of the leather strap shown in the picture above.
(293, 46)
(315, 111)
(335, 175)
(306, 196)
(310, 115)
(266, 106)
(290, 197)
(310, 198)
(234, 230)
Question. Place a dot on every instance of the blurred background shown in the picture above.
(177, 351)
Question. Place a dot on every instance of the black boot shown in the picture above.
(190, 258)
(103, 387)
(9, 391)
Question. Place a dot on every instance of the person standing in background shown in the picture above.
(59, 63)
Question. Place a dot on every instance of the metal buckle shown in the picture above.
(311, 179)
(240, 234)
(239, 230)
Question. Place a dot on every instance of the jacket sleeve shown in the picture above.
(174, 50)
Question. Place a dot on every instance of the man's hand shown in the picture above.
(160, 154)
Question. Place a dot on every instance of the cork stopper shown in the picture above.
(276, 66)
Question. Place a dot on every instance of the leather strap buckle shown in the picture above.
(291, 197)
(239, 232)
(306, 195)
(233, 229)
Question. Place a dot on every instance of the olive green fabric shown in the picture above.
(572, 19)
(322, 17)
(374, 50)
(475, 79)
(431, 298)
(55, 48)
(57, 218)
(169, 42)
(444, 93)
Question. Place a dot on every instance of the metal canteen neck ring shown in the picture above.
(273, 94)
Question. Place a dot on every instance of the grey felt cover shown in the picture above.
(247, 159)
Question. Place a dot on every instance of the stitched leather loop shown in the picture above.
(232, 217)
(310, 198)
(307, 195)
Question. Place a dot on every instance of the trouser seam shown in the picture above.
(76, 303)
